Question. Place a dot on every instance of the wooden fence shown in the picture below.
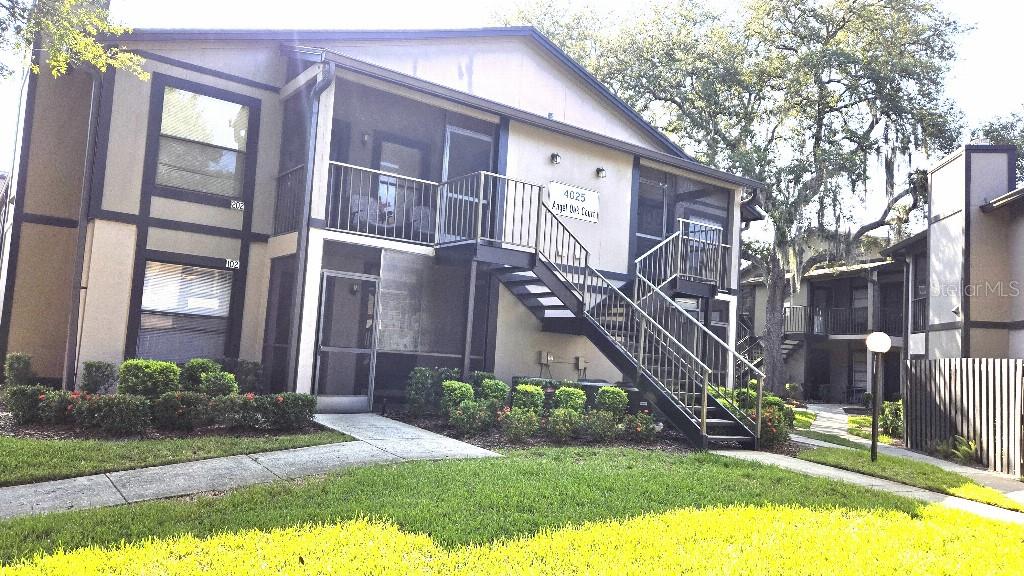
(981, 399)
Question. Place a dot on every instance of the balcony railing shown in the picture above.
(700, 253)
(918, 314)
(839, 321)
(291, 186)
(890, 321)
(490, 207)
(846, 321)
(381, 204)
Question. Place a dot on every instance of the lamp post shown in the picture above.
(878, 343)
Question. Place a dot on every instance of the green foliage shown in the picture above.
(471, 417)
(181, 410)
(423, 388)
(149, 378)
(23, 402)
(493, 390)
(18, 369)
(570, 398)
(218, 384)
(117, 414)
(528, 397)
(477, 377)
(599, 426)
(612, 399)
(248, 374)
(97, 377)
(562, 424)
(958, 449)
(235, 411)
(890, 421)
(639, 427)
(868, 400)
(58, 407)
(518, 424)
(454, 393)
(285, 411)
(774, 427)
(192, 373)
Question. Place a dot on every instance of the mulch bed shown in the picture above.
(52, 432)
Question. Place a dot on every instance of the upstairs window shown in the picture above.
(202, 143)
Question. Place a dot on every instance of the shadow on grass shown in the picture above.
(461, 502)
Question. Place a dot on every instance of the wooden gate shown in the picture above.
(981, 399)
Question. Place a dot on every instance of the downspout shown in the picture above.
(74, 313)
(302, 240)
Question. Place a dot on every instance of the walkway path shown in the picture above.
(814, 469)
(831, 419)
(378, 440)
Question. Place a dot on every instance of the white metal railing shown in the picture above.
(379, 203)
(488, 206)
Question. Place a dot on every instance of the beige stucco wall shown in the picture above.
(520, 338)
(257, 285)
(945, 343)
(514, 71)
(107, 278)
(529, 153)
(989, 268)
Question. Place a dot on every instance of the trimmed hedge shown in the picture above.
(118, 414)
(612, 399)
(18, 369)
(23, 402)
(454, 393)
(423, 388)
(149, 378)
(235, 411)
(218, 384)
(570, 398)
(528, 397)
(97, 377)
(194, 370)
(285, 411)
(495, 390)
(182, 410)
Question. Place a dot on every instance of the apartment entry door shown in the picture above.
(347, 344)
(465, 152)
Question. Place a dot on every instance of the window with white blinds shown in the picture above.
(184, 312)
(202, 143)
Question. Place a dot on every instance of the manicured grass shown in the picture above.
(911, 472)
(460, 502)
(831, 438)
(804, 418)
(545, 511)
(25, 460)
(860, 426)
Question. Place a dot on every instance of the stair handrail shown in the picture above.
(733, 355)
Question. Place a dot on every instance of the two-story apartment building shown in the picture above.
(345, 206)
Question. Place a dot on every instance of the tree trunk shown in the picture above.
(774, 325)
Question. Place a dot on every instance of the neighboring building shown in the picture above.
(826, 322)
(965, 276)
(345, 206)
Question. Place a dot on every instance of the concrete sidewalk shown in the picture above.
(820, 470)
(831, 419)
(377, 440)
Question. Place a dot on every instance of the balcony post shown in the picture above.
(480, 207)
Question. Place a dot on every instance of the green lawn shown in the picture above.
(24, 460)
(860, 426)
(831, 438)
(460, 502)
(804, 419)
(911, 472)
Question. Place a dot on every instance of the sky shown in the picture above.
(984, 80)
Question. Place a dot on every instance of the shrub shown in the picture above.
(248, 374)
(570, 398)
(891, 421)
(528, 397)
(494, 390)
(774, 428)
(58, 407)
(958, 449)
(454, 393)
(611, 399)
(97, 377)
(218, 384)
(235, 411)
(117, 414)
(423, 388)
(477, 377)
(471, 417)
(285, 411)
(868, 399)
(562, 423)
(23, 402)
(639, 427)
(598, 426)
(518, 424)
(181, 410)
(149, 378)
(18, 369)
(193, 372)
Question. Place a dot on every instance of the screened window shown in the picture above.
(202, 143)
(184, 312)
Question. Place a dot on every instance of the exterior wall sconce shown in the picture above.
(602, 173)
(556, 158)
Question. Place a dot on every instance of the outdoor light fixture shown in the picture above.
(878, 343)
(602, 173)
(556, 158)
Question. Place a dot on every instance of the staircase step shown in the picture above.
(558, 313)
(728, 438)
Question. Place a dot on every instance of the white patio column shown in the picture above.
(310, 313)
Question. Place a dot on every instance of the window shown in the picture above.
(202, 143)
(184, 312)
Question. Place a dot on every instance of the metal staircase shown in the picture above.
(677, 362)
